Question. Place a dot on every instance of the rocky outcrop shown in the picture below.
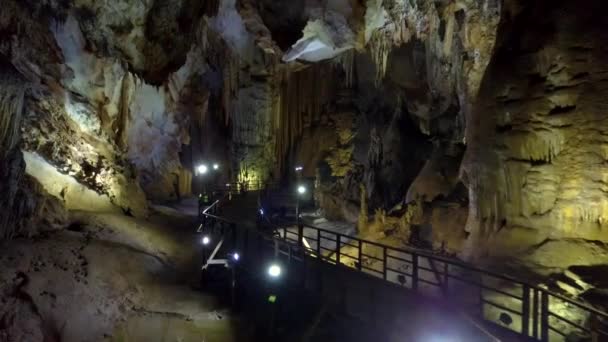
(25, 208)
(536, 139)
(114, 103)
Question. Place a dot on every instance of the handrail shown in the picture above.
(455, 262)
(462, 264)
(531, 309)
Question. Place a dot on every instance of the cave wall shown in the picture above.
(125, 98)
(110, 103)
(535, 142)
(26, 208)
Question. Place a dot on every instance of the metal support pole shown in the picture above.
(525, 315)
(338, 243)
(233, 286)
(384, 263)
(535, 313)
(234, 236)
(319, 244)
(446, 277)
(360, 256)
(300, 234)
(415, 272)
(298, 210)
(544, 316)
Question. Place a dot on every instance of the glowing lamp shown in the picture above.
(274, 271)
(216, 166)
(202, 169)
(205, 240)
(301, 189)
(236, 256)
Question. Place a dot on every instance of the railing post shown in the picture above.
(300, 234)
(384, 262)
(319, 244)
(415, 272)
(525, 311)
(595, 335)
(446, 277)
(535, 313)
(338, 249)
(246, 241)
(234, 235)
(360, 256)
(544, 316)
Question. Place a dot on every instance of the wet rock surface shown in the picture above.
(106, 278)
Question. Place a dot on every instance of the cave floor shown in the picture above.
(111, 278)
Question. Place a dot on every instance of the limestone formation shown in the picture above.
(474, 128)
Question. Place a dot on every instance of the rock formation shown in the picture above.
(474, 126)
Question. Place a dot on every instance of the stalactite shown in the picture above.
(380, 47)
(302, 96)
(346, 62)
(123, 111)
(230, 72)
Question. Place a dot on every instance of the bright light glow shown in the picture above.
(299, 168)
(236, 256)
(274, 271)
(262, 212)
(301, 189)
(206, 240)
(227, 185)
(202, 169)
(216, 166)
(437, 338)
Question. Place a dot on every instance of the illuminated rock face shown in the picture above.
(536, 143)
(25, 208)
(126, 94)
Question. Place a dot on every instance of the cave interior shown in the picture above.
(468, 129)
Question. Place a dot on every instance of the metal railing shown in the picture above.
(524, 308)
(236, 187)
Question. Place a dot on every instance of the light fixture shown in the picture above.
(301, 189)
(274, 271)
(205, 240)
(202, 169)
(236, 256)
(216, 166)
(299, 168)
(261, 211)
(227, 185)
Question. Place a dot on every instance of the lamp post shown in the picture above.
(202, 170)
(301, 192)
